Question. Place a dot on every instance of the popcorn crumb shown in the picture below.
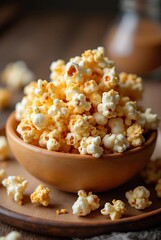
(61, 211)
(41, 195)
(4, 149)
(158, 188)
(14, 235)
(139, 197)
(85, 203)
(114, 210)
(15, 186)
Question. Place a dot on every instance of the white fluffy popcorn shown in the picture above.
(3, 175)
(117, 125)
(80, 103)
(14, 235)
(39, 120)
(85, 203)
(115, 142)
(158, 188)
(4, 150)
(41, 195)
(91, 145)
(148, 120)
(58, 111)
(15, 186)
(139, 197)
(110, 79)
(100, 119)
(109, 102)
(114, 210)
(17, 75)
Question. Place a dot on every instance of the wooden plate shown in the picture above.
(37, 218)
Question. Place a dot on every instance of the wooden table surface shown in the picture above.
(38, 38)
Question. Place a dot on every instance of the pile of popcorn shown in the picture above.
(86, 108)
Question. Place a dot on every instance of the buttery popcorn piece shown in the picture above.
(15, 186)
(139, 197)
(114, 210)
(5, 97)
(61, 211)
(134, 135)
(41, 195)
(17, 75)
(85, 203)
(14, 235)
(158, 188)
(4, 150)
(3, 175)
(152, 172)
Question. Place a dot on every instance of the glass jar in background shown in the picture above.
(134, 41)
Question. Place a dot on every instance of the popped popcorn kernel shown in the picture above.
(117, 125)
(139, 197)
(148, 120)
(41, 195)
(158, 188)
(15, 186)
(5, 98)
(4, 149)
(3, 175)
(85, 203)
(61, 211)
(114, 210)
(152, 172)
(14, 235)
(134, 135)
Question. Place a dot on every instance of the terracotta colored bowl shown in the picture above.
(72, 172)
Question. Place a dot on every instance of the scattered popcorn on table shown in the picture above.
(5, 97)
(3, 175)
(61, 211)
(17, 75)
(114, 210)
(85, 203)
(139, 197)
(14, 235)
(41, 195)
(92, 108)
(15, 186)
(158, 188)
(152, 172)
(4, 149)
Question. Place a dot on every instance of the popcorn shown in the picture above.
(3, 175)
(139, 197)
(85, 203)
(15, 186)
(131, 85)
(158, 188)
(14, 235)
(115, 142)
(17, 75)
(5, 97)
(86, 108)
(41, 195)
(114, 210)
(61, 211)
(109, 102)
(4, 150)
(134, 135)
(91, 145)
(152, 172)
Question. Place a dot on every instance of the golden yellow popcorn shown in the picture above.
(158, 188)
(92, 110)
(15, 186)
(4, 149)
(41, 195)
(61, 211)
(152, 172)
(114, 210)
(5, 98)
(85, 203)
(14, 235)
(139, 197)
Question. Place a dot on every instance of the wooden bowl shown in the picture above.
(72, 172)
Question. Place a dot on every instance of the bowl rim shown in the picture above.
(12, 132)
